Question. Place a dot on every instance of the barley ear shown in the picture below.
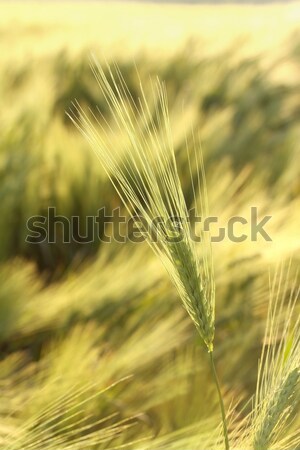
(277, 391)
(279, 405)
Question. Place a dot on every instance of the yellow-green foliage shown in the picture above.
(96, 350)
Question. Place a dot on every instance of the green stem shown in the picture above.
(214, 372)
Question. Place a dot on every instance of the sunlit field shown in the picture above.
(97, 350)
(37, 29)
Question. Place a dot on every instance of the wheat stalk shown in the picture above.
(277, 392)
(279, 370)
(147, 181)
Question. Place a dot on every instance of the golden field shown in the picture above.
(40, 29)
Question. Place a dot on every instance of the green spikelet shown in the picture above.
(193, 291)
(279, 403)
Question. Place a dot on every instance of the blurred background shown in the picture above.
(96, 350)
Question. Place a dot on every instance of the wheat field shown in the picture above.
(101, 346)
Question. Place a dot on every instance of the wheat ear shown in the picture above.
(146, 178)
(279, 371)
